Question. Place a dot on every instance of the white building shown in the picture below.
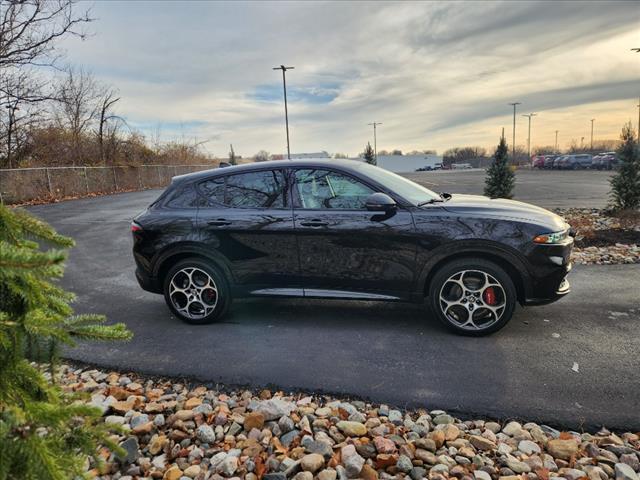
(408, 163)
(299, 156)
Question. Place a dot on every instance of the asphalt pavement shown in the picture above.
(573, 363)
(546, 188)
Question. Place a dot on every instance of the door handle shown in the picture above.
(220, 222)
(314, 223)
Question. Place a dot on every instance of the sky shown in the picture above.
(436, 74)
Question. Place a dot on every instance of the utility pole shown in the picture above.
(592, 120)
(12, 120)
(529, 137)
(638, 132)
(556, 149)
(375, 140)
(513, 145)
(286, 113)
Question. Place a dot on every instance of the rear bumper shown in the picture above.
(148, 283)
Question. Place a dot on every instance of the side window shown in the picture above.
(323, 189)
(184, 197)
(256, 190)
(265, 189)
(213, 190)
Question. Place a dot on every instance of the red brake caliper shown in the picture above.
(489, 296)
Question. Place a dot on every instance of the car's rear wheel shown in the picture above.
(196, 292)
(473, 297)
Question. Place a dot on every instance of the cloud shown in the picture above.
(437, 74)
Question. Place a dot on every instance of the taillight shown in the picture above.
(135, 227)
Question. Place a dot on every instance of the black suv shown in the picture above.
(345, 229)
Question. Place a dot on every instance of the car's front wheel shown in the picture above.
(473, 297)
(196, 292)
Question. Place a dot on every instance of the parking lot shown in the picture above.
(388, 352)
(546, 188)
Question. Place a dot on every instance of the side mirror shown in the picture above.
(380, 202)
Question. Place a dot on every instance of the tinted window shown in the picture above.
(213, 190)
(321, 189)
(255, 189)
(404, 187)
(247, 190)
(184, 197)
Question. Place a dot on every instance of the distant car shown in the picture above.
(605, 161)
(575, 162)
(537, 161)
(549, 161)
(461, 166)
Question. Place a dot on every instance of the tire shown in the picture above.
(450, 302)
(196, 292)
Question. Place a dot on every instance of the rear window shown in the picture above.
(263, 189)
(184, 196)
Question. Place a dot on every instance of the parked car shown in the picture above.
(605, 161)
(574, 162)
(346, 230)
(549, 161)
(537, 161)
(461, 166)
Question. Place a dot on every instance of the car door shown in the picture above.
(344, 249)
(248, 221)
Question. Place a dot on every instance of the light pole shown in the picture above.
(592, 120)
(286, 113)
(375, 140)
(529, 137)
(638, 132)
(556, 150)
(513, 145)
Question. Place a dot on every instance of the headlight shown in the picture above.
(550, 238)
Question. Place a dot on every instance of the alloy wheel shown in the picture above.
(472, 300)
(193, 293)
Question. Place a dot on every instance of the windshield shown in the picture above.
(414, 193)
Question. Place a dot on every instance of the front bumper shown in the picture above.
(550, 267)
(562, 289)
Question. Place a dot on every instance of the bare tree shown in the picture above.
(29, 33)
(18, 111)
(78, 96)
(30, 29)
(107, 101)
(261, 156)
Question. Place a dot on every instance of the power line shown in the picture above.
(286, 113)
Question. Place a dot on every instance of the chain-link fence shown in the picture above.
(20, 185)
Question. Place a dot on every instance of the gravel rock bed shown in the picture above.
(595, 226)
(178, 431)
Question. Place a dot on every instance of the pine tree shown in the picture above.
(45, 433)
(369, 155)
(625, 185)
(500, 178)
